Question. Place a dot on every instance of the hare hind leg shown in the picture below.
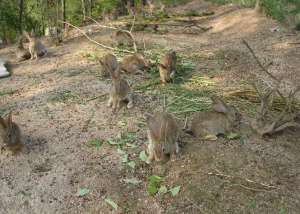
(31, 53)
(150, 148)
(110, 101)
(129, 98)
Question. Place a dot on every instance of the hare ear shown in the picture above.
(116, 73)
(148, 116)
(163, 66)
(219, 105)
(9, 120)
(3, 122)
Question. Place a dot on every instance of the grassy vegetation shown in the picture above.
(278, 9)
(188, 93)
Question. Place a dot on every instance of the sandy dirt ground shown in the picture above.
(57, 101)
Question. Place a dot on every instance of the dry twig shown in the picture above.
(96, 97)
(258, 62)
(94, 41)
(286, 118)
(265, 187)
(118, 29)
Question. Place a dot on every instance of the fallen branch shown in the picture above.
(263, 125)
(118, 29)
(294, 43)
(132, 26)
(231, 178)
(96, 97)
(258, 62)
(95, 42)
(249, 188)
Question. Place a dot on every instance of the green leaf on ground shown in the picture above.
(163, 190)
(111, 203)
(82, 192)
(131, 164)
(174, 191)
(144, 157)
(95, 142)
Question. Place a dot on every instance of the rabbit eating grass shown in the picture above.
(163, 134)
(167, 67)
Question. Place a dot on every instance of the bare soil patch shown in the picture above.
(55, 102)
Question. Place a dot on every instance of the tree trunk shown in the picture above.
(21, 11)
(257, 6)
(64, 13)
(91, 7)
(83, 9)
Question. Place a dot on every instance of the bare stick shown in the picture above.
(96, 97)
(144, 43)
(219, 174)
(258, 62)
(114, 28)
(132, 26)
(95, 42)
(294, 43)
(249, 188)
(185, 123)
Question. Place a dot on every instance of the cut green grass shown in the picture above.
(187, 94)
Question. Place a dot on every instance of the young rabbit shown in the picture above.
(10, 134)
(134, 63)
(119, 91)
(163, 134)
(123, 38)
(4, 69)
(21, 52)
(109, 64)
(36, 48)
(221, 120)
(167, 67)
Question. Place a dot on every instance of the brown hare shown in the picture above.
(109, 64)
(167, 67)
(119, 91)
(163, 134)
(134, 63)
(21, 52)
(221, 120)
(36, 48)
(10, 134)
(123, 38)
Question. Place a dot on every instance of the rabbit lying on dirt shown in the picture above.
(10, 134)
(163, 134)
(123, 38)
(221, 120)
(134, 63)
(119, 91)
